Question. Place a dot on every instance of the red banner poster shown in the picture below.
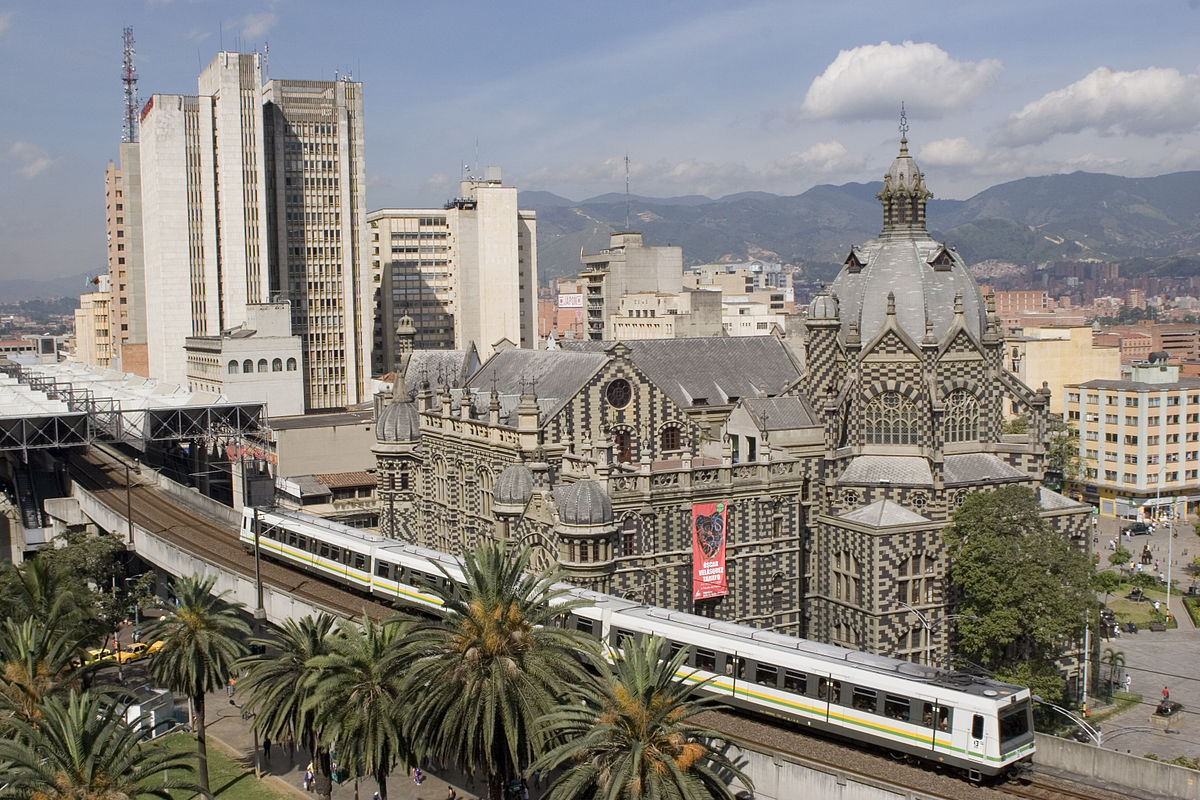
(708, 551)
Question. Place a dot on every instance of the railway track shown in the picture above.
(200, 535)
(194, 532)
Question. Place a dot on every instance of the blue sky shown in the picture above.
(704, 97)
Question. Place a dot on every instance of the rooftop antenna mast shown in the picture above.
(266, 60)
(129, 78)
(626, 192)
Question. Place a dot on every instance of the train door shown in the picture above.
(975, 744)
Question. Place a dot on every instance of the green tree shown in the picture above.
(1116, 664)
(81, 748)
(356, 694)
(1120, 557)
(36, 663)
(277, 684)
(1062, 450)
(1107, 582)
(1026, 590)
(634, 736)
(203, 637)
(490, 663)
(1018, 424)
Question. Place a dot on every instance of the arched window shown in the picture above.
(917, 581)
(631, 529)
(847, 578)
(486, 482)
(891, 419)
(439, 481)
(277, 365)
(668, 439)
(262, 365)
(247, 366)
(962, 417)
(623, 440)
(232, 368)
(291, 365)
(846, 635)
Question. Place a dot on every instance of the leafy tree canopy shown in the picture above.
(1026, 590)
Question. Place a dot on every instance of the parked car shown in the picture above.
(1138, 529)
(99, 654)
(133, 652)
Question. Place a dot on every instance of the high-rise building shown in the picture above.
(203, 213)
(316, 196)
(126, 270)
(93, 338)
(465, 274)
(626, 266)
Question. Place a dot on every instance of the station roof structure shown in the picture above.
(67, 404)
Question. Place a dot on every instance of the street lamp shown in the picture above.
(129, 501)
(928, 625)
(1092, 733)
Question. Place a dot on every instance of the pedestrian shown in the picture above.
(451, 794)
(1128, 681)
(1166, 694)
(1156, 605)
(417, 776)
(267, 748)
(137, 635)
(308, 778)
(376, 795)
(229, 688)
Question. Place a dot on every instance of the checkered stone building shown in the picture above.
(839, 457)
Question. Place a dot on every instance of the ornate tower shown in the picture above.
(398, 438)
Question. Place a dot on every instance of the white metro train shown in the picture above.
(978, 726)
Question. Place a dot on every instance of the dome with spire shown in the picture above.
(583, 503)
(514, 485)
(398, 421)
(929, 281)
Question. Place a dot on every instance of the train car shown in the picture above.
(981, 727)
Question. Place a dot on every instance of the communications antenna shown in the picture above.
(266, 61)
(129, 78)
(626, 192)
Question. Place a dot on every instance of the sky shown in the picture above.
(707, 98)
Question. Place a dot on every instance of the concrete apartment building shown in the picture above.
(465, 274)
(1058, 357)
(626, 266)
(650, 315)
(254, 362)
(204, 224)
(126, 268)
(1139, 441)
(316, 204)
(93, 322)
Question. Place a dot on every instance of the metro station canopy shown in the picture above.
(69, 404)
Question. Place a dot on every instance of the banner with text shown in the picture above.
(708, 551)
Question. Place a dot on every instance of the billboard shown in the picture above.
(708, 551)
(570, 301)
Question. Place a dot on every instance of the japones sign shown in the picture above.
(570, 301)
(708, 551)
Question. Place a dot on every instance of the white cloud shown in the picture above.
(31, 160)
(869, 82)
(197, 35)
(958, 152)
(5, 22)
(823, 158)
(256, 25)
(1146, 102)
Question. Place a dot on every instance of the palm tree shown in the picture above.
(36, 662)
(59, 601)
(490, 663)
(202, 640)
(277, 683)
(356, 697)
(83, 749)
(632, 737)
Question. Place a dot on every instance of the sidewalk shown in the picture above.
(227, 729)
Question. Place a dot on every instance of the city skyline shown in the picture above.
(703, 98)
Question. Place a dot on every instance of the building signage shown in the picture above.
(570, 301)
(708, 551)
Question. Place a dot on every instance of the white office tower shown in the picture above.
(203, 210)
(316, 197)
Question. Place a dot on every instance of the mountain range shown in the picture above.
(1147, 225)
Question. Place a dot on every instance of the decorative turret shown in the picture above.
(904, 194)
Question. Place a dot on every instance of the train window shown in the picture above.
(766, 675)
(706, 660)
(322, 550)
(795, 681)
(830, 691)
(585, 626)
(977, 727)
(896, 707)
(620, 634)
(864, 699)
(1014, 723)
(360, 561)
(383, 569)
(943, 718)
(940, 713)
(675, 648)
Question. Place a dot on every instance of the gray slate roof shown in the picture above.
(782, 413)
(979, 468)
(556, 375)
(1051, 500)
(901, 470)
(716, 370)
(883, 514)
(451, 367)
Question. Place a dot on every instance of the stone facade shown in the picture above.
(839, 456)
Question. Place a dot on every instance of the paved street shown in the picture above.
(1155, 660)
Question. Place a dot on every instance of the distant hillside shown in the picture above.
(1146, 224)
(14, 290)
